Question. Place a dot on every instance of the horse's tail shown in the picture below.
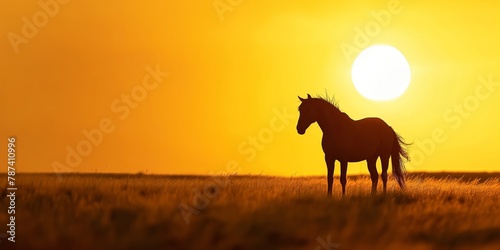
(398, 155)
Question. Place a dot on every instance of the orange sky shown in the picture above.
(230, 71)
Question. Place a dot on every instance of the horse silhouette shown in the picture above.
(347, 140)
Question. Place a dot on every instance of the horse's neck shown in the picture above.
(333, 121)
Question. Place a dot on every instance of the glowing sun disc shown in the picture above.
(380, 73)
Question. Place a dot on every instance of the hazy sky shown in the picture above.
(189, 87)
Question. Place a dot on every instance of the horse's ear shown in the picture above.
(309, 96)
(301, 99)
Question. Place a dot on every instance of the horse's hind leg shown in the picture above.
(372, 167)
(385, 165)
(343, 177)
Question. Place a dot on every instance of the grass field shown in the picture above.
(438, 211)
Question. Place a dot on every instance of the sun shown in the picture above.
(381, 73)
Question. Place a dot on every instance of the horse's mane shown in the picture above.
(333, 102)
(329, 99)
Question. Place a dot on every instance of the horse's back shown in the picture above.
(359, 140)
(374, 133)
(375, 121)
(373, 125)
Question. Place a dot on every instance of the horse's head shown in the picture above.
(308, 114)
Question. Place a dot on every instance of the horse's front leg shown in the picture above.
(343, 176)
(330, 164)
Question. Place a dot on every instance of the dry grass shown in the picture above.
(141, 212)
